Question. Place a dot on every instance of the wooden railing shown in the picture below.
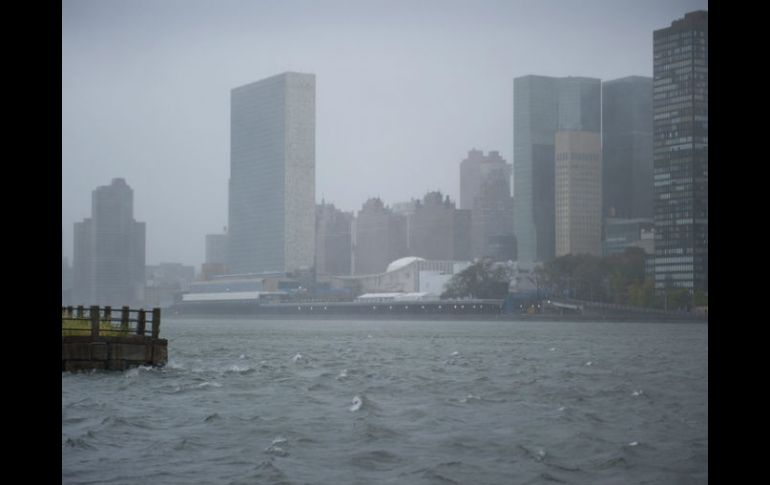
(98, 321)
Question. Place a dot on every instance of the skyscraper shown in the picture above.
(438, 230)
(680, 130)
(543, 106)
(379, 238)
(578, 193)
(470, 178)
(485, 188)
(627, 147)
(109, 250)
(333, 240)
(272, 175)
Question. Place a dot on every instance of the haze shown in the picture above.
(403, 90)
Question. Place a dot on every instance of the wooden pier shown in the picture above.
(94, 338)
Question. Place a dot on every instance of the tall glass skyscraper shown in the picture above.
(543, 106)
(680, 130)
(627, 147)
(272, 175)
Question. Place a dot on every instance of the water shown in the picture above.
(425, 402)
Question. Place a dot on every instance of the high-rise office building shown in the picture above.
(272, 175)
(216, 256)
(543, 106)
(216, 248)
(438, 230)
(333, 240)
(578, 193)
(470, 177)
(627, 148)
(680, 130)
(379, 238)
(109, 250)
(485, 186)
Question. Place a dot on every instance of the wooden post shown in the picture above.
(69, 311)
(94, 321)
(108, 313)
(140, 324)
(80, 311)
(155, 322)
(124, 320)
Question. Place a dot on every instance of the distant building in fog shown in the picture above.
(109, 250)
(379, 237)
(578, 193)
(543, 106)
(272, 175)
(485, 190)
(627, 147)
(166, 282)
(438, 230)
(470, 178)
(66, 282)
(216, 248)
(333, 244)
(216, 256)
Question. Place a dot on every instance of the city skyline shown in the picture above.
(396, 112)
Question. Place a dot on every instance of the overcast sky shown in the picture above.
(404, 89)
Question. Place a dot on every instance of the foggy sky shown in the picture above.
(404, 89)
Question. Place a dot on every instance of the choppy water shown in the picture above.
(427, 402)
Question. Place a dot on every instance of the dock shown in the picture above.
(97, 338)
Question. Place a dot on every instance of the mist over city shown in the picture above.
(378, 241)
(404, 91)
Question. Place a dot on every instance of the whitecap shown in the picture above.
(589, 363)
(455, 353)
(343, 374)
(276, 450)
(279, 440)
(173, 365)
(637, 393)
(237, 368)
(242, 356)
(356, 403)
(209, 384)
(633, 443)
(297, 358)
(470, 397)
(562, 408)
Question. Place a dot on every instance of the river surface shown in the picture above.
(397, 402)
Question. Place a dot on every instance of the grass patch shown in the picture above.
(82, 328)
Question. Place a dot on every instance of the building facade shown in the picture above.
(543, 106)
(470, 178)
(166, 282)
(333, 240)
(438, 230)
(215, 262)
(620, 234)
(578, 193)
(379, 238)
(486, 183)
(680, 131)
(627, 148)
(109, 250)
(272, 175)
